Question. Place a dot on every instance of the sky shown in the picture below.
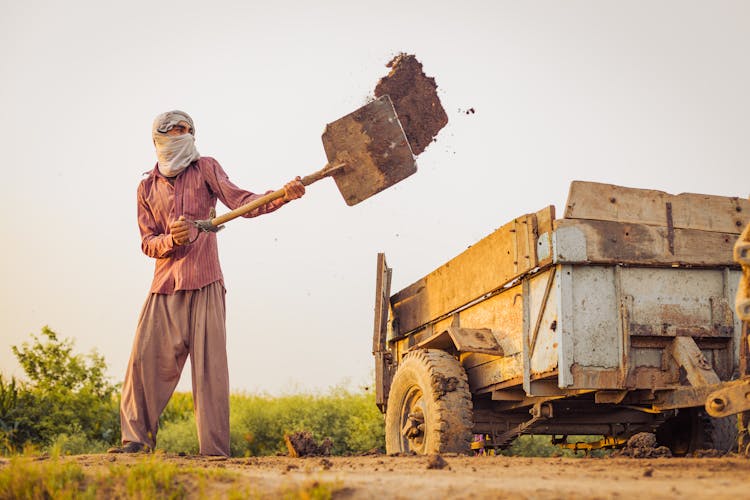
(650, 94)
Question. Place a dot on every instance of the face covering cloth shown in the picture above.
(173, 153)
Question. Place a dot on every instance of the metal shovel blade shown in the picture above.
(372, 144)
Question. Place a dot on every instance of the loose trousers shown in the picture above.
(171, 328)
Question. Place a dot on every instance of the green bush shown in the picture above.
(77, 443)
(258, 423)
(66, 394)
(22, 478)
(350, 420)
(179, 436)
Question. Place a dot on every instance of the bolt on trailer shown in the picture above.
(612, 320)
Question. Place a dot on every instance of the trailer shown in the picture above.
(613, 320)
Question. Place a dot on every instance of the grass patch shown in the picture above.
(311, 490)
(27, 477)
(24, 478)
(150, 477)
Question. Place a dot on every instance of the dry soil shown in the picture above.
(450, 476)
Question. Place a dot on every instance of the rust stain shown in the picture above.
(626, 241)
(595, 377)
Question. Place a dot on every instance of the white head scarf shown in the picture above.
(173, 153)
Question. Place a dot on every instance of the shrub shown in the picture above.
(178, 436)
(67, 394)
(258, 423)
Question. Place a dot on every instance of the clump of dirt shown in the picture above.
(302, 444)
(642, 440)
(710, 453)
(643, 445)
(437, 462)
(414, 96)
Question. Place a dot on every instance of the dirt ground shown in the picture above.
(380, 476)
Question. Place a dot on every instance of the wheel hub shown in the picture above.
(413, 421)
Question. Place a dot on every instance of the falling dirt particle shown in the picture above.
(436, 462)
(414, 96)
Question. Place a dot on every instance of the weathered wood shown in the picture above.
(480, 340)
(382, 357)
(688, 355)
(382, 294)
(545, 224)
(595, 201)
(495, 372)
(609, 242)
(505, 254)
(472, 359)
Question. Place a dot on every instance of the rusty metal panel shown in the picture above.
(603, 308)
(543, 339)
(671, 302)
(588, 323)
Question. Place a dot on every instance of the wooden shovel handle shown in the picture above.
(326, 171)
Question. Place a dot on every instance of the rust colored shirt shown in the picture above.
(192, 193)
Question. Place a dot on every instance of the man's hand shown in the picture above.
(180, 230)
(293, 189)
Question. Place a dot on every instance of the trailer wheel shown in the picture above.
(429, 406)
(692, 429)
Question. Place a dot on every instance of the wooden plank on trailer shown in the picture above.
(596, 201)
(689, 356)
(382, 357)
(545, 220)
(494, 372)
(485, 266)
(479, 340)
(608, 242)
(382, 294)
(472, 359)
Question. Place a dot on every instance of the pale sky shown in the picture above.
(651, 94)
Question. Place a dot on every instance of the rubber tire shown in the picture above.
(692, 429)
(436, 383)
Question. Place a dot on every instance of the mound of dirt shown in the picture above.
(437, 462)
(414, 96)
(302, 444)
(642, 440)
(643, 445)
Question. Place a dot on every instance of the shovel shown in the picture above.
(367, 152)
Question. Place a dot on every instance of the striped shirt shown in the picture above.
(193, 194)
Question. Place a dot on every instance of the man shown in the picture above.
(184, 314)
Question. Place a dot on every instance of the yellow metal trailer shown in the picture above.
(616, 318)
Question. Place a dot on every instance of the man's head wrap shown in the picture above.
(173, 152)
